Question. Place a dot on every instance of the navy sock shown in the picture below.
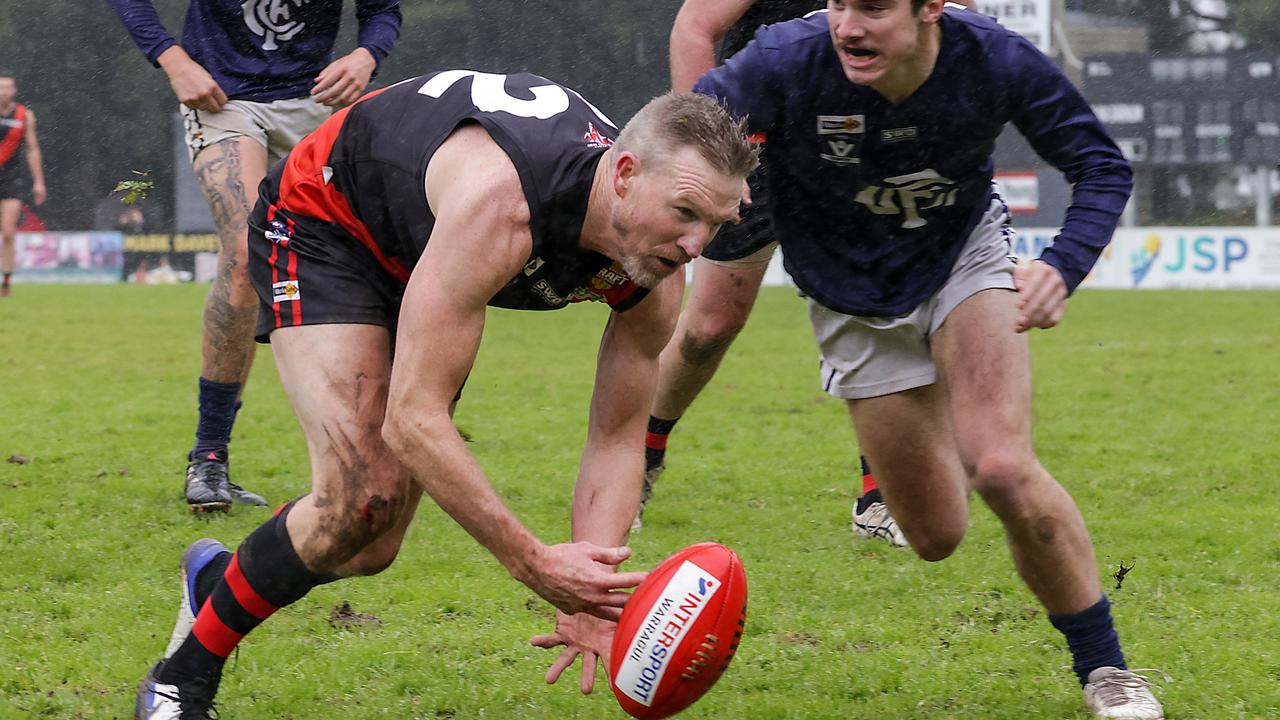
(1091, 635)
(218, 406)
(655, 441)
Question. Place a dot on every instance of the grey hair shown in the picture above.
(690, 119)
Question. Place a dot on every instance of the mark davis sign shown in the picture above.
(165, 257)
(1171, 257)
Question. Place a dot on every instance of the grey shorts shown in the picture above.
(865, 357)
(276, 125)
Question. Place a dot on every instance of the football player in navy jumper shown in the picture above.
(727, 277)
(385, 235)
(881, 117)
(252, 78)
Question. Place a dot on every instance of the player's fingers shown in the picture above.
(609, 556)
(1054, 316)
(1047, 298)
(588, 681)
(547, 641)
(615, 581)
(219, 98)
(336, 93)
(604, 612)
(352, 95)
(1019, 277)
(561, 664)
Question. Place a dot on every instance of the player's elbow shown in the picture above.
(403, 432)
(412, 431)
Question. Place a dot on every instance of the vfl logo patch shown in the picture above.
(272, 20)
(842, 137)
(663, 629)
(285, 291)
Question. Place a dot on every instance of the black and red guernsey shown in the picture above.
(365, 169)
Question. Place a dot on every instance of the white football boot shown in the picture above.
(1114, 693)
(875, 522)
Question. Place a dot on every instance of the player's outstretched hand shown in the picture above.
(1042, 295)
(583, 635)
(580, 578)
(343, 80)
(191, 83)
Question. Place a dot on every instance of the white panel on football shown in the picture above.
(663, 629)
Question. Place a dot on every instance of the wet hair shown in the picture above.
(679, 119)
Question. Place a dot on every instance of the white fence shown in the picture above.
(1154, 257)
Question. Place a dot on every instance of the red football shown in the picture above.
(679, 631)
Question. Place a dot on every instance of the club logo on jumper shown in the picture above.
(899, 134)
(909, 196)
(285, 291)
(841, 137)
(610, 285)
(663, 629)
(278, 233)
(594, 139)
(272, 20)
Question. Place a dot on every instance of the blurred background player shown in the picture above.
(253, 78)
(21, 170)
(726, 279)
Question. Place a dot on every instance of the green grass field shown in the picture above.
(1160, 412)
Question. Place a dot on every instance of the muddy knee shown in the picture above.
(351, 523)
(707, 346)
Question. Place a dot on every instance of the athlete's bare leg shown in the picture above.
(362, 499)
(987, 368)
(972, 429)
(719, 304)
(10, 208)
(229, 173)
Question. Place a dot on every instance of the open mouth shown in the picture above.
(668, 264)
(859, 56)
